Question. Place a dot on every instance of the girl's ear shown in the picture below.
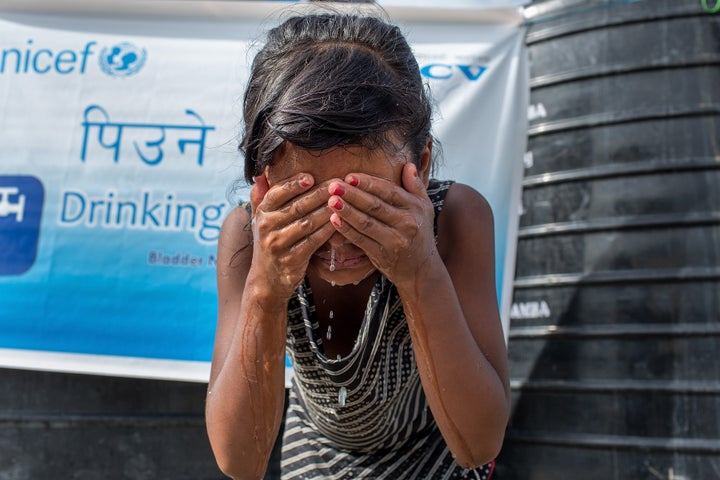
(425, 164)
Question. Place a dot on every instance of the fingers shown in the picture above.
(291, 201)
(362, 239)
(292, 219)
(379, 199)
(280, 194)
(372, 218)
(257, 194)
(396, 250)
(375, 187)
(302, 230)
(392, 224)
(371, 233)
(309, 244)
(411, 180)
(290, 222)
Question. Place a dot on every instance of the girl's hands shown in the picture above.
(393, 225)
(289, 223)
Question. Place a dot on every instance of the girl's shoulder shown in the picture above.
(464, 219)
(458, 200)
(235, 241)
(237, 223)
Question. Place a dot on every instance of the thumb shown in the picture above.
(411, 179)
(257, 194)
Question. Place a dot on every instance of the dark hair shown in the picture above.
(333, 79)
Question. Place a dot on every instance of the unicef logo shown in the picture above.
(122, 60)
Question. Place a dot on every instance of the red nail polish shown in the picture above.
(336, 220)
(304, 182)
(352, 180)
(338, 190)
(336, 204)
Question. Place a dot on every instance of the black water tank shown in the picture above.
(82, 427)
(615, 327)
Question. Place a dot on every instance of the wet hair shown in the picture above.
(332, 79)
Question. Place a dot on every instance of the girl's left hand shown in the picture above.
(393, 225)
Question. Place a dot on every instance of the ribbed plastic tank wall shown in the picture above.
(615, 327)
(81, 427)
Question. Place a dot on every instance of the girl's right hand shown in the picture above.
(290, 222)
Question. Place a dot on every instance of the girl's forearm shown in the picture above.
(465, 392)
(245, 399)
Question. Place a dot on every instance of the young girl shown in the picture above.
(377, 280)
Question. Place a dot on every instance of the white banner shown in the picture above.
(117, 152)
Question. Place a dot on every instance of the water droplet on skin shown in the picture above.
(332, 283)
(332, 314)
(332, 259)
(255, 230)
(342, 396)
(328, 335)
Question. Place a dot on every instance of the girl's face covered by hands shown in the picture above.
(366, 200)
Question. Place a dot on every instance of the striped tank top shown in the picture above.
(363, 416)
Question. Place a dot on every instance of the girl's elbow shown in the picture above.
(237, 459)
(478, 457)
(241, 469)
(483, 450)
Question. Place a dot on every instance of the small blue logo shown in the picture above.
(21, 202)
(122, 60)
(446, 71)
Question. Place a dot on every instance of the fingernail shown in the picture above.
(305, 181)
(336, 204)
(352, 180)
(336, 189)
(336, 220)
